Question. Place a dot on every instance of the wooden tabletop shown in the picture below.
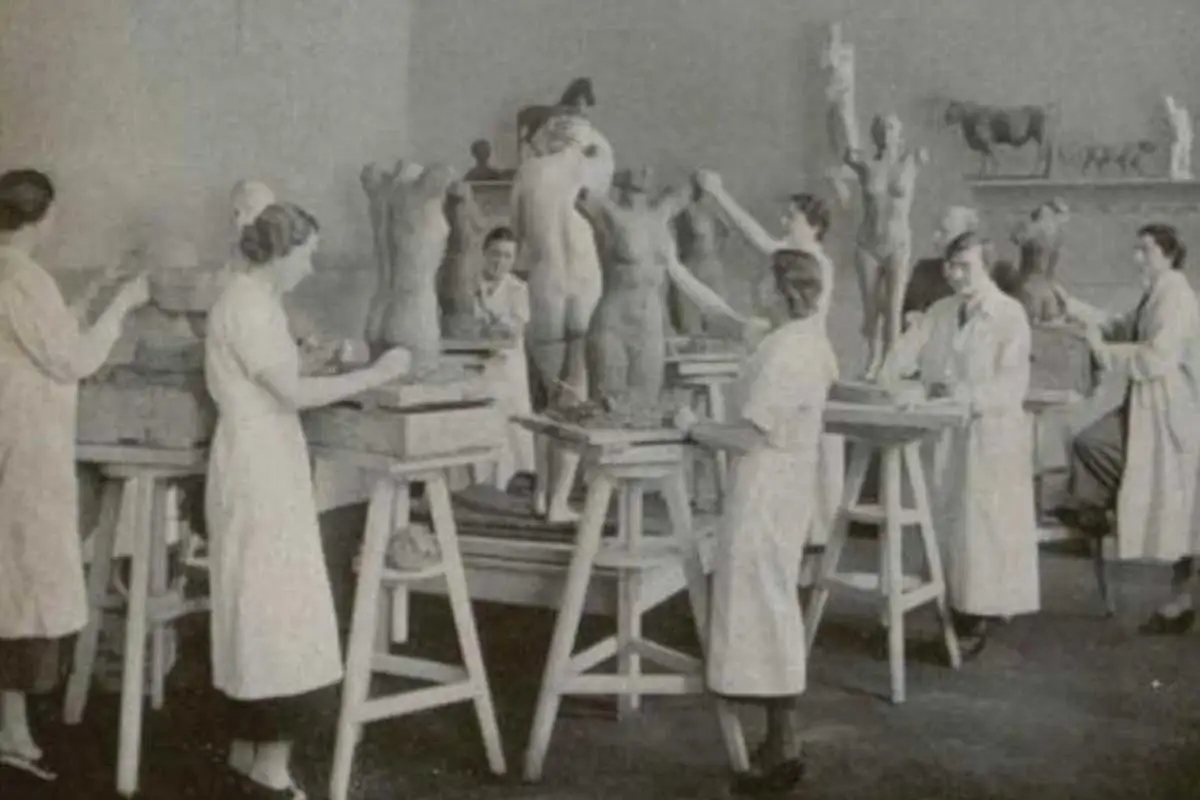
(142, 456)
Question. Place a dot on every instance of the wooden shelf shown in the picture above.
(1120, 195)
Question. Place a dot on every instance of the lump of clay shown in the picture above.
(413, 548)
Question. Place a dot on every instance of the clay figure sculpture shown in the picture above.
(1181, 140)
(841, 121)
(700, 235)
(408, 206)
(576, 98)
(626, 350)
(557, 251)
(984, 127)
(483, 171)
(1093, 158)
(1040, 239)
(461, 270)
(884, 247)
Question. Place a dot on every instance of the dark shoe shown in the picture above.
(1162, 625)
(779, 779)
(971, 646)
(968, 626)
(1088, 521)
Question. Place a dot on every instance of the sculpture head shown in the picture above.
(281, 241)
(26, 208)
(1158, 249)
(1043, 231)
(578, 95)
(965, 264)
(499, 253)
(806, 220)
(798, 281)
(887, 133)
(956, 221)
(437, 178)
(249, 198)
(481, 151)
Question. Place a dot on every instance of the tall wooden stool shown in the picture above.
(136, 490)
(370, 637)
(895, 435)
(705, 376)
(630, 463)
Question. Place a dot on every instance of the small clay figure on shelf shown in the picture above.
(1181, 139)
(575, 100)
(459, 276)
(1040, 239)
(700, 234)
(841, 122)
(626, 349)
(887, 182)
(1093, 158)
(483, 171)
(408, 205)
(984, 127)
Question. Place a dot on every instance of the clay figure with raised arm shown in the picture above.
(700, 236)
(557, 250)
(841, 122)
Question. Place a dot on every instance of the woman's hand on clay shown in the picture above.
(393, 364)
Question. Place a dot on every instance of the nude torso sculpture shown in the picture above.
(1181, 142)
(460, 273)
(700, 234)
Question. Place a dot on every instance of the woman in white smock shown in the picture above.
(974, 347)
(274, 635)
(43, 355)
(756, 648)
(503, 303)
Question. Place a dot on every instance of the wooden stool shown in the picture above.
(137, 490)
(628, 463)
(705, 376)
(369, 649)
(896, 436)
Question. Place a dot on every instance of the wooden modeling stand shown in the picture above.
(895, 435)
(629, 462)
(407, 438)
(706, 375)
(136, 490)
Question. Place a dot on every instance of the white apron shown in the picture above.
(42, 356)
(507, 303)
(981, 476)
(274, 632)
(756, 645)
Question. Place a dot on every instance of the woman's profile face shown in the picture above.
(297, 265)
(1149, 258)
(48, 223)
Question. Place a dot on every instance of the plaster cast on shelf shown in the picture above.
(483, 171)
(984, 128)
(1181, 140)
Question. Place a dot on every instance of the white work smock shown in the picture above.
(507, 303)
(42, 357)
(981, 475)
(274, 631)
(756, 646)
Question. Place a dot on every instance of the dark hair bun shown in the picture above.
(25, 197)
(276, 232)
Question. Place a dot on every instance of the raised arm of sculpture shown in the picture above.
(711, 184)
(711, 304)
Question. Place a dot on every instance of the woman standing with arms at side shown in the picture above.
(274, 634)
(43, 355)
(974, 346)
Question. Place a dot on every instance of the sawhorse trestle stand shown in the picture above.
(629, 463)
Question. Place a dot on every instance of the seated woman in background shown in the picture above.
(1141, 459)
(274, 634)
(43, 356)
(974, 346)
(756, 649)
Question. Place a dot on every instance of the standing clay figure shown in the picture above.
(576, 98)
(481, 151)
(460, 274)
(411, 208)
(841, 122)
(557, 250)
(1040, 239)
(700, 234)
(626, 352)
(1181, 140)
(884, 246)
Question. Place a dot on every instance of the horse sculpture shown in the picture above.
(530, 119)
(984, 127)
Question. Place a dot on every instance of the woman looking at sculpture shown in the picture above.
(756, 648)
(274, 636)
(43, 356)
(973, 348)
(1141, 459)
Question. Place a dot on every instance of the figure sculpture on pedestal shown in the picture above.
(557, 250)
(1040, 239)
(461, 271)
(700, 234)
(1181, 140)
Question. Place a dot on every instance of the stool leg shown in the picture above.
(675, 493)
(133, 681)
(558, 661)
(99, 574)
(464, 620)
(357, 682)
(629, 614)
(158, 588)
(856, 475)
(716, 411)
(933, 553)
(893, 573)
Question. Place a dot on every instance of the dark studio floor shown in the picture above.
(1064, 705)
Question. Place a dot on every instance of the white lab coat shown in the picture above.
(1159, 351)
(507, 303)
(832, 457)
(981, 475)
(42, 357)
(274, 632)
(756, 646)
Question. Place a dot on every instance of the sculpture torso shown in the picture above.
(888, 186)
